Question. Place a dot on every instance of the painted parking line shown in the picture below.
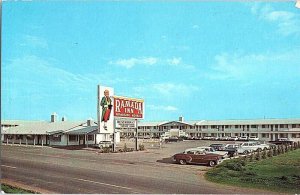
(111, 185)
(8, 166)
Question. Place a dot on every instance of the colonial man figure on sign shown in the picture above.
(106, 103)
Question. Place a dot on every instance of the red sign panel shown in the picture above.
(128, 107)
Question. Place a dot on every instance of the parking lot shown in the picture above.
(88, 171)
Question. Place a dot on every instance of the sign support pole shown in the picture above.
(98, 107)
(136, 135)
(114, 136)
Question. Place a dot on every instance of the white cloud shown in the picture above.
(34, 41)
(131, 62)
(174, 89)
(255, 66)
(174, 61)
(163, 108)
(287, 22)
(150, 61)
(195, 26)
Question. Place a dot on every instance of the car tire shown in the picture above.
(259, 150)
(212, 163)
(182, 162)
(245, 152)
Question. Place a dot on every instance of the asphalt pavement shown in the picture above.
(87, 171)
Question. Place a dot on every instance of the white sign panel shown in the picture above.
(106, 109)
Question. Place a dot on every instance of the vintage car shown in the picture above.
(211, 150)
(281, 141)
(196, 156)
(235, 138)
(217, 146)
(243, 138)
(248, 147)
(231, 149)
(253, 138)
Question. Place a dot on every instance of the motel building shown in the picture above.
(52, 133)
(65, 133)
(264, 129)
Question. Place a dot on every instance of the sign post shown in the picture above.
(137, 136)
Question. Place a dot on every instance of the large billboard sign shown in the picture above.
(125, 107)
(105, 109)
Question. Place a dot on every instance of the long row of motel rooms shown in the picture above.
(63, 132)
(264, 129)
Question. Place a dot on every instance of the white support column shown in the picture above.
(34, 140)
(19, 142)
(42, 142)
(7, 140)
(86, 141)
(26, 141)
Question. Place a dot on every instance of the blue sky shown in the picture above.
(201, 60)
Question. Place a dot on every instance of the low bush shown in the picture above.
(141, 147)
(270, 153)
(235, 165)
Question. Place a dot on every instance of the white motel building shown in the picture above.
(264, 129)
(64, 133)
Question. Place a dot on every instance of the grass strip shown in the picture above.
(14, 190)
(279, 173)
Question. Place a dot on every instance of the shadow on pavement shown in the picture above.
(69, 147)
(166, 160)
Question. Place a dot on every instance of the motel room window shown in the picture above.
(56, 138)
(296, 135)
(236, 126)
(281, 126)
(263, 126)
(293, 125)
(226, 126)
(265, 135)
(73, 138)
(90, 137)
(29, 137)
(19, 137)
(253, 126)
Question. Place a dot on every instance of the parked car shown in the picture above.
(253, 138)
(211, 150)
(196, 156)
(281, 141)
(243, 138)
(172, 139)
(231, 149)
(247, 147)
(225, 138)
(207, 138)
(105, 144)
(218, 146)
(235, 138)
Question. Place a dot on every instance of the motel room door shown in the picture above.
(81, 140)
